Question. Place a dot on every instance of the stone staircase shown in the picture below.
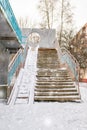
(52, 82)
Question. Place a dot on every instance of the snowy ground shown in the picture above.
(41, 116)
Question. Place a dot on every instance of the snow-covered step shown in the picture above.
(27, 80)
(15, 89)
(22, 101)
(61, 70)
(23, 93)
(53, 78)
(55, 90)
(52, 93)
(53, 75)
(55, 86)
(57, 98)
(52, 82)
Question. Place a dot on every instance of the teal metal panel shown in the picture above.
(14, 67)
(20, 59)
(8, 12)
(66, 58)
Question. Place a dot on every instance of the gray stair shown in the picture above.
(52, 82)
(55, 86)
(55, 90)
(57, 98)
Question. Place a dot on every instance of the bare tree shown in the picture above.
(25, 23)
(47, 10)
(67, 29)
(55, 12)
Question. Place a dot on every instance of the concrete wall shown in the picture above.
(47, 37)
(3, 68)
(4, 61)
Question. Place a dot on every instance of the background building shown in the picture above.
(78, 47)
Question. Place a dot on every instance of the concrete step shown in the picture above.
(46, 49)
(48, 66)
(47, 63)
(52, 70)
(55, 86)
(53, 80)
(55, 93)
(46, 55)
(54, 83)
(53, 75)
(58, 98)
(55, 70)
(56, 90)
(48, 60)
(47, 52)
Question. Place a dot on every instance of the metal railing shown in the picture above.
(66, 57)
(13, 66)
(8, 12)
(71, 62)
(17, 61)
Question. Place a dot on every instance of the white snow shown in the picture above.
(41, 116)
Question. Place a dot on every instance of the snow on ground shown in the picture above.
(43, 115)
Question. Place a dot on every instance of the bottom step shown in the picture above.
(58, 98)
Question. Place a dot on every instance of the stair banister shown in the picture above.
(71, 61)
(14, 64)
(66, 57)
(19, 59)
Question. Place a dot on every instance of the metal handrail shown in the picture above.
(8, 12)
(14, 64)
(66, 57)
(71, 61)
(19, 59)
(13, 60)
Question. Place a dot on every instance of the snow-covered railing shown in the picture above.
(66, 57)
(13, 66)
(16, 63)
(10, 17)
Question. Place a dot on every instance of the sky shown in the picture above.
(28, 8)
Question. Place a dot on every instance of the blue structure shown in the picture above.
(11, 39)
(8, 13)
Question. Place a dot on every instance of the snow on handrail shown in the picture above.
(19, 59)
(14, 65)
